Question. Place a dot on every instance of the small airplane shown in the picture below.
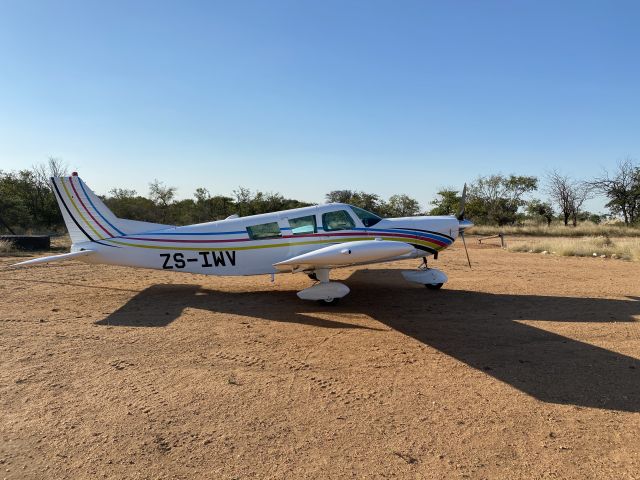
(312, 240)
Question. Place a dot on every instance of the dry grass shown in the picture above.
(623, 248)
(61, 243)
(6, 248)
(559, 230)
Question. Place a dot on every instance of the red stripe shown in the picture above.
(399, 235)
(86, 209)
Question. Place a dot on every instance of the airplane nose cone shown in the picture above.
(464, 224)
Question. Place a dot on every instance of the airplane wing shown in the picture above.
(344, 254)
(54, 258)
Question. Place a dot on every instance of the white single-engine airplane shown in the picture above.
(312, 240)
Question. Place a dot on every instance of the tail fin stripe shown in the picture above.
(55, 186)
(109, 234)
(86, 222)
(94, 207)
(78, 210)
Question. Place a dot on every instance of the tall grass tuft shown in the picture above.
(623, 248)
(6, 248)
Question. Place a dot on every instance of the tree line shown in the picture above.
(27, 202)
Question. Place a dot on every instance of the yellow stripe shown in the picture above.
(78, 210)
(276, 245)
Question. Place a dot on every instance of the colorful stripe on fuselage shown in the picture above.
(429, 241)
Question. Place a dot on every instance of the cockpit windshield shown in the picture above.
(368, 219)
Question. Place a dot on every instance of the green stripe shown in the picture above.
(100, 237)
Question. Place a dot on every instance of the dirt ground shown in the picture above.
(527, 366)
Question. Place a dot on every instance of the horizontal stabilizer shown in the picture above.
(347, 254)
(54, 258)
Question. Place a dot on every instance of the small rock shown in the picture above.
(603, 256)
(544, 252)
(614, 255)
(595, 254)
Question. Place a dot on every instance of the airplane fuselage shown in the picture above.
(252, 245)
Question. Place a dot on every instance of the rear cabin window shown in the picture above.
(303, 225)
(338, 220)
(264, 230)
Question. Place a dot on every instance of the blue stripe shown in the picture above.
(94, 207)
(244, 232)
(409, 232)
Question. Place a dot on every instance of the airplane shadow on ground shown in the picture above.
(480, 329)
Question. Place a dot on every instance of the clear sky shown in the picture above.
(304, 97)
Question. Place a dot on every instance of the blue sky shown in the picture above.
(306, 97)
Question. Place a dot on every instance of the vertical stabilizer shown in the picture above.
(87, 218)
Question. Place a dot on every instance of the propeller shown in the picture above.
(463, 202)
(463, 224)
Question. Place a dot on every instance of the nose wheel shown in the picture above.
(329, 302)
(434, 286)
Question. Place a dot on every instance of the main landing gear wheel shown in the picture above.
(434, 286)
(312, 276)
(329, 302)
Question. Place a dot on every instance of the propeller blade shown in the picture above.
(463, 201)
(465, 249)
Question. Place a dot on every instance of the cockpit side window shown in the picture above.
(338, 220)
(368, 219)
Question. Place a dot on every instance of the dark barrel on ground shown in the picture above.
(28, 242)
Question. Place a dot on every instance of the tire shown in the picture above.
(329, 303)
(312, 276)
(434, 286)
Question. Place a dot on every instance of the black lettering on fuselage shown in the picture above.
(205, 257)
(218, 259)
(166, 265)
(178, 259)
(232, 257)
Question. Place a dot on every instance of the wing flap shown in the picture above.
(346, 254)
(54, 258)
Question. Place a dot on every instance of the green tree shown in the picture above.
(126, 203)
(401, 206)
(368, 201)
(495, 199)
(162, 196)
(540, 210)
(622, 188)
(447, 202)
(27, 201)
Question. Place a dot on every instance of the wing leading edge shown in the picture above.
(346, 254)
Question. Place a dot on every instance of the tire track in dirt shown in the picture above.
(328, 387)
